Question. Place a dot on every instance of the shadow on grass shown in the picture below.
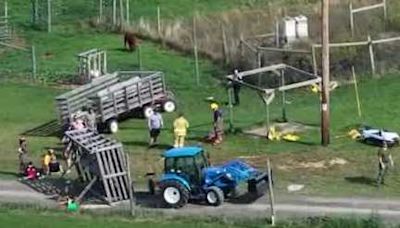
(51, 128)
(9, 174)
(146, 145)
(361, 180)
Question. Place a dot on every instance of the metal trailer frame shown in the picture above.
(102, 161)
(92, 62)
(114, 95)
(268, 94)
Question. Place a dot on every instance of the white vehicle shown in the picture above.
(378, 136)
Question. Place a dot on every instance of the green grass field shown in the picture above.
(25, 107)
(18, 218)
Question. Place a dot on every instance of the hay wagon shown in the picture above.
(116, 96)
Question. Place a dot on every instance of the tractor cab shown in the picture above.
(187, 163)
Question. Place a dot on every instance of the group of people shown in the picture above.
(28, 170)
(155, 124)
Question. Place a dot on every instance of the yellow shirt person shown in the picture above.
(180, 130)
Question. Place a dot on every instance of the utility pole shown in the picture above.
(325, 74)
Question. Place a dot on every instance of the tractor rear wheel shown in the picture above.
(215, 196)
(175, 195)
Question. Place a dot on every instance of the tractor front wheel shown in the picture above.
(215, 196)
(175, 195)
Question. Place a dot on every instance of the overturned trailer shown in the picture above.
(101, 163)
(117, 95)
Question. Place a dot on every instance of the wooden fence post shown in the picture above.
(121, 13)
(49, 16)
(271, 193)
(371, 55)
(314, 60)
(100, 10)
(241, 49)
(284, 118)
(277, 41)
(132, 200)
(231, 125)
(196, 57)
(114, 12)
(224, 45)
(139, 57)
(384, 10)
(127, 13)
(158, 21)
(351, 18)
(356, 90)
(33, 63)
(259, 65)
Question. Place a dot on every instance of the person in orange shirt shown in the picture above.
(180, 130)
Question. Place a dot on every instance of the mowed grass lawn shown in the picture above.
(23, 219)
(29, 106)
(24, 107)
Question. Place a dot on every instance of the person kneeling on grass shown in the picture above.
(31, 173)
(50, 163)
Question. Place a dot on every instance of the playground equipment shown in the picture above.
(188, 175)
(101, 163)
(116, 95)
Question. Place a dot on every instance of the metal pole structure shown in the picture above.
(49, 16)
(271, 193)
(196, 57)
(33, 63)
(325, 75)
(356, 90)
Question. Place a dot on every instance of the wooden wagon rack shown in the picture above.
(101, 163)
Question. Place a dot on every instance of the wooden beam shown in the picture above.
(283, 50)
(261, 70)
(13, 46)
(347, 44)
(365, 8)
(249, 46)
(86, 189)
(300, 84)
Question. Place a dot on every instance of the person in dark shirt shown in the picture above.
(384, 160)
(236, 84)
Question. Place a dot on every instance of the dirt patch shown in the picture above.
(324, 164)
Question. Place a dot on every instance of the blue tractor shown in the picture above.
(188, 175)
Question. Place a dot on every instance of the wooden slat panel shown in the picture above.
(102, 173)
